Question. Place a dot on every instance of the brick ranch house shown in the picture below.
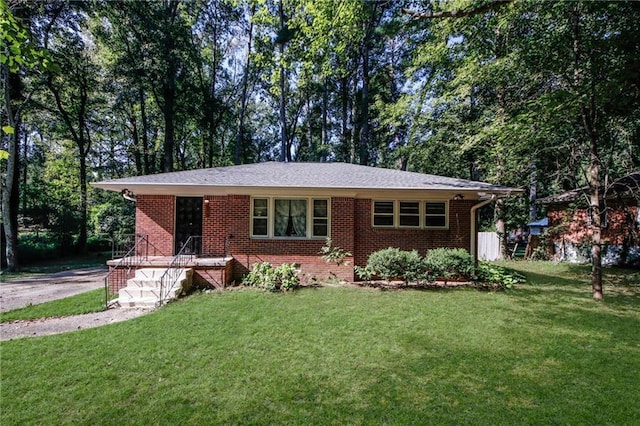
(284, 212)
(570, 227)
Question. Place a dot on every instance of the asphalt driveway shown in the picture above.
(32, 291)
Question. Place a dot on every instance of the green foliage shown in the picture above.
(264, 275)
(113, 216)
(449, 263)
(503, 277)
(365, 273)
(16, 48)
(333, 254)
(393, 263)
(33, 247)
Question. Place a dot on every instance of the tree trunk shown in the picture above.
(364, 125)
(10, 187)
(325, 131)
(344, 118)
(283, 113)
(168, 110)
(82, 238)
(145, 132)
(243, 98)
(501, 228)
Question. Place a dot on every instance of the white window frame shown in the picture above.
(422, 207)
(420, 214)
(446, 214)
(271, 217)
(392, 214)
(313, 217)
(253, 217)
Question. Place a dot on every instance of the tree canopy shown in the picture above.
(502, 91)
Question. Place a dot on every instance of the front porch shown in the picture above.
(212, 272)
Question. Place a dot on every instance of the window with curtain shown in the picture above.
(290, 218)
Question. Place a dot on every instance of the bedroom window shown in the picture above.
(320, 218)
(435, 214)
(383, 213)
(409, 214)
(260, 217)
(289, 218)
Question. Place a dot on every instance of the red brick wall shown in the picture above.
(573, 225)
(305, 253)
(155, 218)
(226, 232)
(369, 239)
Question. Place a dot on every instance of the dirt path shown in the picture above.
(31, 291)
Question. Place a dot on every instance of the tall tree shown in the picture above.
(504, 62)
(17, 53)
(74, 94)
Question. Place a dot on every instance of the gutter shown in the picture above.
(474, 233)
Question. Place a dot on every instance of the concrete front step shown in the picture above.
(144, 289)
(150, 273)
(138, 302)
(144, 283)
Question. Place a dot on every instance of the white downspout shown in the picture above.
(474, 234)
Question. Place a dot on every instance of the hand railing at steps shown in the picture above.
(189, 250)
(119, 273)
(121, 244)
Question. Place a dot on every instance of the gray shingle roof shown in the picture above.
(303, 175)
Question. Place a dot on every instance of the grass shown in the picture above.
(543, 353)
(56, 265)
(83, 303)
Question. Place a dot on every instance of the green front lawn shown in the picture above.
(83, 303)
(543, 353)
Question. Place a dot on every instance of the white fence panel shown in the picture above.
(488, 246)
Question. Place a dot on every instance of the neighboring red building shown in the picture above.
(570, 227)
(284, 212)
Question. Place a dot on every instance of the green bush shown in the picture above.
(34, 247)
(448, 263)
(97, 243)
(498, 275)
(393, 263)
(264, 275)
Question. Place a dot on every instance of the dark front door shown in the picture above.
(188, 224)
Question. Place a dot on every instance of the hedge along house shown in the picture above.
(283, 213)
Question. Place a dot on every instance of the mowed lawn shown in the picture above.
(542, 353)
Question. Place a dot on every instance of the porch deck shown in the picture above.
(211, 272)
(165, 261)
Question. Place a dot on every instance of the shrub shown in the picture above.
(449, 263)
(393, 263)
(500, 276)
(333, 254)
(33, 247)
(98, 243)
(264, 275)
